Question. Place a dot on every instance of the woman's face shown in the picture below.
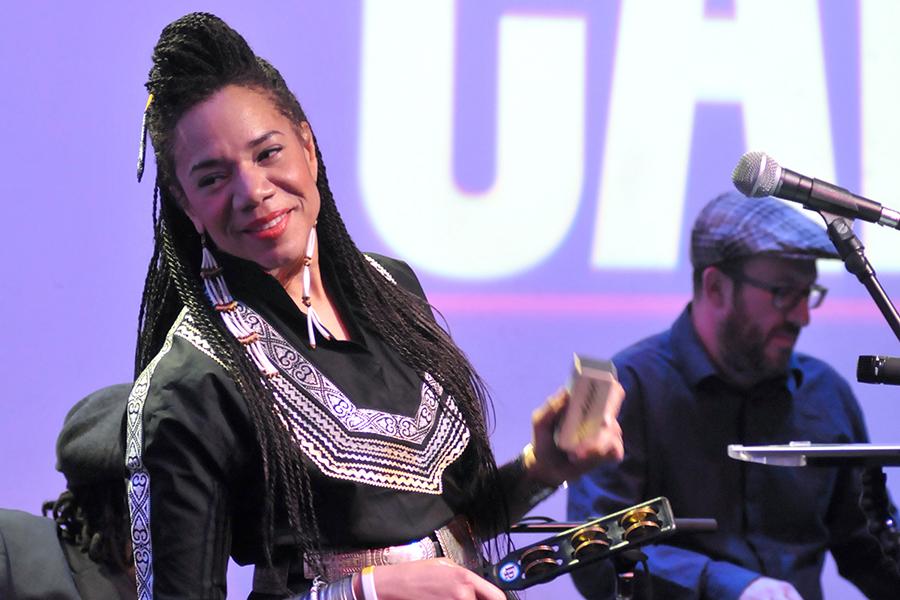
(248, 177)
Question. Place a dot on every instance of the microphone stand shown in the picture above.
(853, 254)
(628, 577)
(874, 500)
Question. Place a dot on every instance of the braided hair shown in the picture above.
(196, 56)
(94, 519)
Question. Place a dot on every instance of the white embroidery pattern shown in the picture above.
(139, 478)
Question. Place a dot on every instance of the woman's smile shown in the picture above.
(271, 226)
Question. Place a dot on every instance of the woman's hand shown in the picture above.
(437, 578)
(546, 463)
(765, 588)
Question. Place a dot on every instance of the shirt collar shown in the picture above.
(249, 283)
(695, 362)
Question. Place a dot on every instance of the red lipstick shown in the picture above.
(270, 226)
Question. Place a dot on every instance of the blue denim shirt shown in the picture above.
(678, 418)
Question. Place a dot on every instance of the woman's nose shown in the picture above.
(251, 186)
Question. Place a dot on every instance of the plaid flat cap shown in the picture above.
(733, 226)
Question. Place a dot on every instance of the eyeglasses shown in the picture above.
(784, 297)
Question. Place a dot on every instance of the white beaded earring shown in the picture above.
(312, 318)
(218, 293)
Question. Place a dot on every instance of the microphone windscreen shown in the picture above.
(756, 175)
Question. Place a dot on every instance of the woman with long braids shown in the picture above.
(296, 406)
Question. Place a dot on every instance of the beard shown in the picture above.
(744, 344)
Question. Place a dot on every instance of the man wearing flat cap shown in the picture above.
(726, 373)
(84, 552)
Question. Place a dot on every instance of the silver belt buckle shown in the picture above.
(419, 550)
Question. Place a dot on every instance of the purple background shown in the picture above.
(78, 233)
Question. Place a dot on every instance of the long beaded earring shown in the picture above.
(312, 318)
(218, 293)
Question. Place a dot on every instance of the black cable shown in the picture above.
(876, 505)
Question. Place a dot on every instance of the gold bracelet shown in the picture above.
(528, 457)
(533, 490)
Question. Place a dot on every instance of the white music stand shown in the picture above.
(806, 454)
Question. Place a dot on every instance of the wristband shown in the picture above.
(368, 583)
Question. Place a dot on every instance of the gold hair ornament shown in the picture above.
(142, 149)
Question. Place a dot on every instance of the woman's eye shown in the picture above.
(208, 180)
(268, 153)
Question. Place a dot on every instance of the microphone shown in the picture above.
(878, 369)
(757, 175)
